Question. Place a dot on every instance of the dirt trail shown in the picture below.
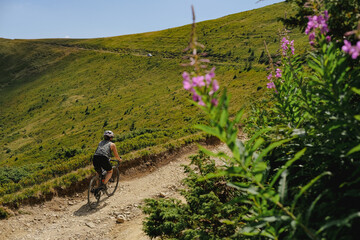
(71, 218)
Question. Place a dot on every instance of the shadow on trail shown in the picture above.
(85, 210)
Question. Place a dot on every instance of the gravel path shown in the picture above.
(71, 218)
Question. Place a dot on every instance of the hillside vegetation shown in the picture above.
(59, 95)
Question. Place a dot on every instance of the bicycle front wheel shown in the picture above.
(113, 183)
(93, 193)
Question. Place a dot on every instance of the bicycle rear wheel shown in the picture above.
(93, 193)
(113, 183)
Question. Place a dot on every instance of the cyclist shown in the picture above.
(102, 157)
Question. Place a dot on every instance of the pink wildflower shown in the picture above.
(312, 36)
(354, 51)
(198, 81)
(209, 76)
(186, 76)
(201, 103)
(285, 41)
(278, 73)
(286, 44)
(214, 102)
(215, 87)
(347, 46)
(192, 83)
(187, 85)
(326, 15)
(317, 22)
(196, 97)
(271, 85)
(270, 76)
(208, 79)
(292, 47)
(212, 72)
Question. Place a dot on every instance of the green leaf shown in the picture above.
(283, 186)
(212, 154)
(256, 135)
(258, 177)
(270, 219)
(309, 211)
(250, 189)
(241, 149)
(239, 185)
(259, 167)
(271, 147)
(227, 221)
(275, 199)
(306, 187)
(356, 90)
(254, 231)
(269, 193)
(257, 144)
(223, 118)
(239, 116)
(340, 222)
(236, 171)
(316, 66)
(212, 175)
(287, 164)
(212, 131)
(355, 149)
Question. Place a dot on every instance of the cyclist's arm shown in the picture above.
(113, 148)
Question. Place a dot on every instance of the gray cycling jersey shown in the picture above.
(104, 149)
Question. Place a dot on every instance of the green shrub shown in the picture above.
(3, 213)
(67, 153)
(12, 174)
(165, 218)
(205, 215)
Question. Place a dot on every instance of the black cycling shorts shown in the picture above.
(101, 162)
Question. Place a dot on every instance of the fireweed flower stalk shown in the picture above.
(354, 51)
(287, 46)
(317, 23)
(271, 78)
(203, 88)
(285, 81)
(270, 84)
(348, 48)
(288, 50)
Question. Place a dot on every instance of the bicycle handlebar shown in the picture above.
(115, 160)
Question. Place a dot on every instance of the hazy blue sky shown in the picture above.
(104, 18)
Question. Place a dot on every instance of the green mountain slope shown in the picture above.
(57, 96)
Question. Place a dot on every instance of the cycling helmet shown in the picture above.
(108, 134)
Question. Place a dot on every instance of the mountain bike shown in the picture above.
(94, 192)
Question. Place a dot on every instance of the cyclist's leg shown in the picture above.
(97, 166)
(108, 167)
(108, 176)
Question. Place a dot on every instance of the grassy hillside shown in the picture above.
(57, 96)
